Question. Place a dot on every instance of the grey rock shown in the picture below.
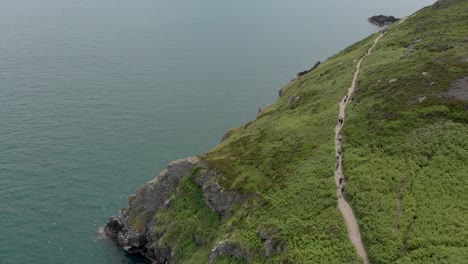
(227, 248)
(271, 243)
(155, 193)
(272, 247)
(215, 195)
(382, 20)
(293, 100)
(302, 73)
(132, 230)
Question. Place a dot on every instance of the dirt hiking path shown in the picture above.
(348, 215)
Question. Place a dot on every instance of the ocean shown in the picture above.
(96, 97)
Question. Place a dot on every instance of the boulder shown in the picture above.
(218, 198)
(227, 248)
(293, 100)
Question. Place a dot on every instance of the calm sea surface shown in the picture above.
(96, 97)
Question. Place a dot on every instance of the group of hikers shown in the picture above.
(340, 120)
(338, 154)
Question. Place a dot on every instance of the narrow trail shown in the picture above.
(348, 215)
(402, 20)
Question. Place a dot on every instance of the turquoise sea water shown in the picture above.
(96, 97)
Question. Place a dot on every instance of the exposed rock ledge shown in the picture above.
(133, 229)
(382, 20)
(302, 73)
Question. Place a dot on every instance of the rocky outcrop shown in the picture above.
(218, 198)
(302, 73)
(382, 20)
(271, 243)
(293, 100)
(227, 248)
(132, 230)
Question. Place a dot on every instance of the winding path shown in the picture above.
(402, 20)
(348, 215)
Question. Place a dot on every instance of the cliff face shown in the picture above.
(266, 194)
(133, 228)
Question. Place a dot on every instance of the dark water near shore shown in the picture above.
(96, 97)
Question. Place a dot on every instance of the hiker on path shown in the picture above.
(340, 120)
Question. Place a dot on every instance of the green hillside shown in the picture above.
(405, 152)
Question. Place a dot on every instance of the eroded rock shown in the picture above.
(132, 230)
(218, 198)
(293, 100)
(227, 248)
(302, 73)
(271, 243)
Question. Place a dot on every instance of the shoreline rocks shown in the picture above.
(302, 73)
(132, 230)
(382, 20)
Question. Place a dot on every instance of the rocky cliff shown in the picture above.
(134, 228)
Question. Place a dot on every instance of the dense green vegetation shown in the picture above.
(405, 158)
(406, 144)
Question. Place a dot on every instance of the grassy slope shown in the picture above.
(407, 160)
(284, 161)
(404, 160)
